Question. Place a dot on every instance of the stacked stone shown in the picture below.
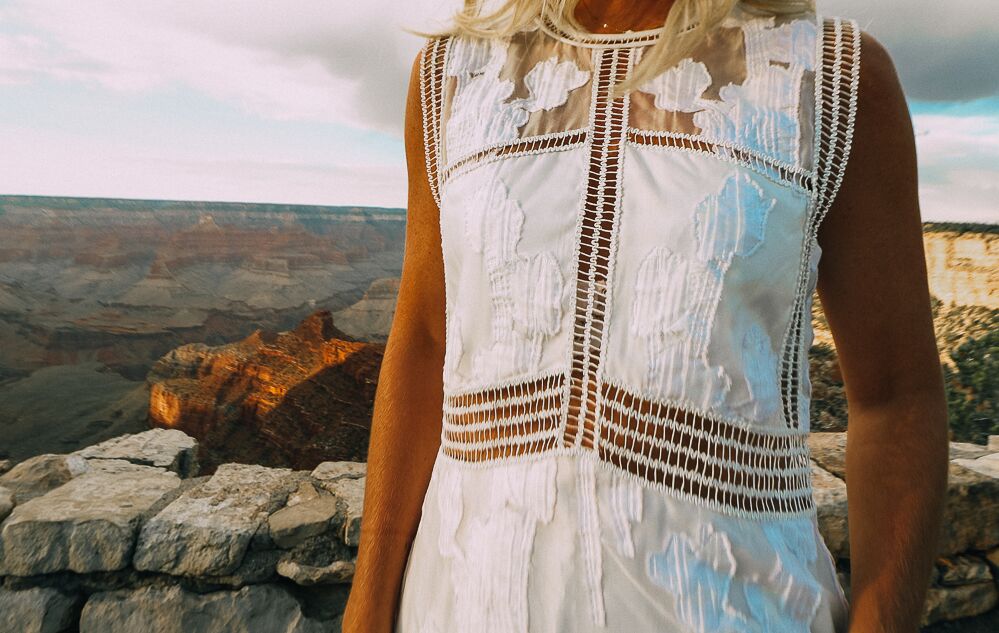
(124, 536)
(965, 578)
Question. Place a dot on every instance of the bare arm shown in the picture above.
(406, 425)
(873, 288)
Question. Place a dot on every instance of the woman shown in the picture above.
(618, 212)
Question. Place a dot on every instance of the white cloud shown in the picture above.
(312, 60)
(958, 167)
(944, 51)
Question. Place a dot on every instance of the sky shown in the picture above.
(302, 101)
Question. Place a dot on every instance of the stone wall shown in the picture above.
(122, 537)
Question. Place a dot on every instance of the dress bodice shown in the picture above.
(633, 276)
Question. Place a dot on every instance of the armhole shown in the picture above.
(837, 75)
(432, 58)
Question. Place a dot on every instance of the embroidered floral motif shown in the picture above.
(490, 551)
(673, 310)
(550, 82)
(526, 291)
(761, 113)
(679, 89)
(697, 572)
(761, 372)
(732, 222)
(480, 113)
(788, 599)
(626, 508)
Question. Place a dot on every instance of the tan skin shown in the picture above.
(872, 286)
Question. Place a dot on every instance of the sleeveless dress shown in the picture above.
(628, 296)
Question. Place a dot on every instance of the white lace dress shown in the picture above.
(629, 285)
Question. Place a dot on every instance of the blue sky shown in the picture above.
(302, 101)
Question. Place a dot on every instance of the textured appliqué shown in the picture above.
(480, 111)
(733, 221)
(626, 508)
(550, 82)
(762, 112)
(526, 291)
(490, 550)
(787, 599)
(760, 366)
(673, 309)
(697, 572)
(679, 89)
(453, 346)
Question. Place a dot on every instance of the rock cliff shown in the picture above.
(289, 399)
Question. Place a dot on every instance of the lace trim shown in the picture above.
(668, 446)
(736, 154)
(432, 60)
(837, 76)
(595, 234)
(541, 143)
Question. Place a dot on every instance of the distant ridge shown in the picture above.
(962, 227)
(82, 202)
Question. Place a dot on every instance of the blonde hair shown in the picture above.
(688, 23)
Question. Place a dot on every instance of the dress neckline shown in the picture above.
(597, 40)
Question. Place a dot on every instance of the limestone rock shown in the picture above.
(828, 449)
(5, 465)
(306, 492)
(291, 525)
(829, 493)
(987, 465)
(967, 450)
(6, 502)
(37, 610)
(251, 609)
(328, 472)
(951, 603)
(85, 525)
(971, 513)
(37, 475)
(350, 504)
(207, 530)
(164, 448)
(337, 572)
(993, 444)
(962, 570)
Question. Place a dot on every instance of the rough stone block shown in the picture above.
(962, 569)
(37, 610)
(207, 529)
(85, 525)
(39, 474)
(171, 449)
(951, 603)
(829, 494)
(6, 502)
(291, 525)
(350, 505)
(251, 609)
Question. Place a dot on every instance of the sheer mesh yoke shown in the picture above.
(628, 287)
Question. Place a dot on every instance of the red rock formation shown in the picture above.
(292, 399)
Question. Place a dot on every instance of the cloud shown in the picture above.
(314, 60)
(958, 156)
(944, 51)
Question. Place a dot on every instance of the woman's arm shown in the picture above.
(873, 288)
(406, 424)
